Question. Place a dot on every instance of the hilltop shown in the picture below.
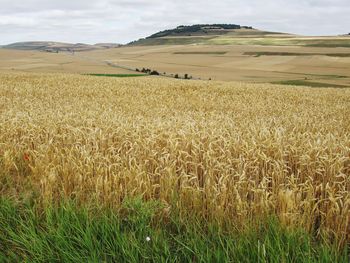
(200, 34)
(201, 29)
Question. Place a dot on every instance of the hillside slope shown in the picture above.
(201, 34)
(49, 46)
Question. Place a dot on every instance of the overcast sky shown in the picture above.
(121, 21)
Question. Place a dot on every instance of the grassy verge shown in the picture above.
(117, 75)
(308, 84)
(68, 233)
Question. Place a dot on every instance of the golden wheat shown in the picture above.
(224, 151)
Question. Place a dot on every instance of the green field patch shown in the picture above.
(117, 75)
(308, 84)
(327, 42)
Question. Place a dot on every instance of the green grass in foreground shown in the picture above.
(308, 84)
(70, 234)
(117, 75)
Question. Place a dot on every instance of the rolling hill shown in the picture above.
(202, 34)
(55, 47)
(216, 52)
(232, 34)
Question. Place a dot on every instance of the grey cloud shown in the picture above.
(123, 21)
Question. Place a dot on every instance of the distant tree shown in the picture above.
(154, 72)
(186, 76)
(146, 70)
(176, 76)
(137, 70)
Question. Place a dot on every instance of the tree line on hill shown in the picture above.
(195, 28)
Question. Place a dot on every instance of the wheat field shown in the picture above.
(226, 152)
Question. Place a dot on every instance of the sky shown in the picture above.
(121, 21)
